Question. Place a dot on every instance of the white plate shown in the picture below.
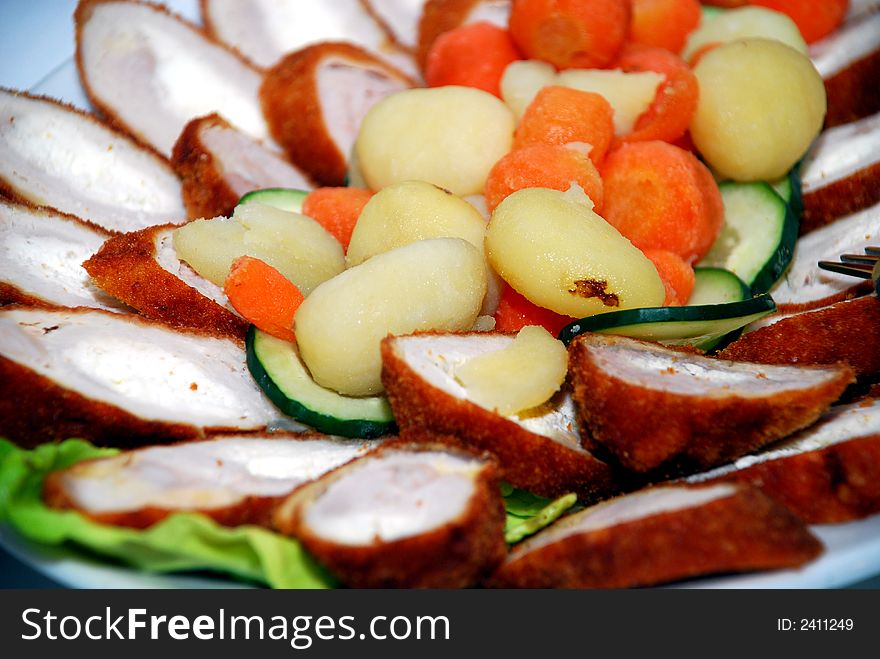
(36, 50)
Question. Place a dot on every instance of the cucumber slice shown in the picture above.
(701, 326)
(286, 199)
(758, 237)
(717, 286)
(789, 188)
(280, 373)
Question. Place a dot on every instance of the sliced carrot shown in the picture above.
(676, 273)
(263, 296)
(726, 4)
(663, 23)
(337, 209)
(543, 166)
(473, 55)
(570, 33)
(559, 115)
(674, 106)
(661, 197)
(814, 19)
(515, 311)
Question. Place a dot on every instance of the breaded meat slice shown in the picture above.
(151, 72)
(537, 449)
(118, 380)
(849, 62)
(841, 173)
(398, 18)
(805, 285)
(315, 99)
(142, 269)
(648, 406)
(217, 164)
(266, 30)
(41, 255)
(439, 16)
(847, 332)
(405, 516)
(827, 473)
(658, 535)
(233, 479)
(52, 154)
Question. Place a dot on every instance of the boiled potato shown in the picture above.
(523, 375)
(295, 245)
(761, 105)
(449, 136)
(745, 23)
(629, 94)
(413, 210)
(522, 80)
(430, 284)
(552, 248)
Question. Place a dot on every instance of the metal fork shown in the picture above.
(865, 266)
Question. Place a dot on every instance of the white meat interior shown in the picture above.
(856, 40)
(168, 260)
(150, 371)
(804, 281)
(56, 157)
(841, 152)
(41, 254)
(840, 424)
(436, 358)
(655, 368)
(639, 505)
(347, 90)
(401, 17)
(394, 496)
(205, 474)
(248, 165)
(158, 73)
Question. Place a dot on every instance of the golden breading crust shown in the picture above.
(526, 460)
(206, 193)
(841, 198)
(33, 410)
(839, 483)
(126, 268)
(456, 555)
(853, 93)
(292, 107)
(738, 533)
(846, 332)
(646, 427)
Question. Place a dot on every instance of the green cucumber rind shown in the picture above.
(760, 304)
(353, 428)
(704, 274)
(286, 199)
(778, 263)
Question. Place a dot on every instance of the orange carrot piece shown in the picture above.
(726, 4)
(515, 311)
(559, 115)
(473, 55)
(674, 106)
(263, 296)
(570, 33)
(337, 209)
(677, 275)
(543, 166)
(661, 197)
(663, 23)
(814, 19)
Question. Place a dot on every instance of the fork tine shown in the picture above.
(873, 251)
(862, 270)
(860, 258)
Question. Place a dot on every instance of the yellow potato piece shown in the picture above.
(745, 23)
(449, 136)
(761, 105)
(552, 248)
(436, 284)
(523, 375)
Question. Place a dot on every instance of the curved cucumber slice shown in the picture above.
(717, 286)
(286, 199)
(758, 237)
(280, 373)
(789, 188)
(699, 326)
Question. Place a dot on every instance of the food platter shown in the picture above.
(37, 55)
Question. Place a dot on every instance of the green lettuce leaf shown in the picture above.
(181, 542)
